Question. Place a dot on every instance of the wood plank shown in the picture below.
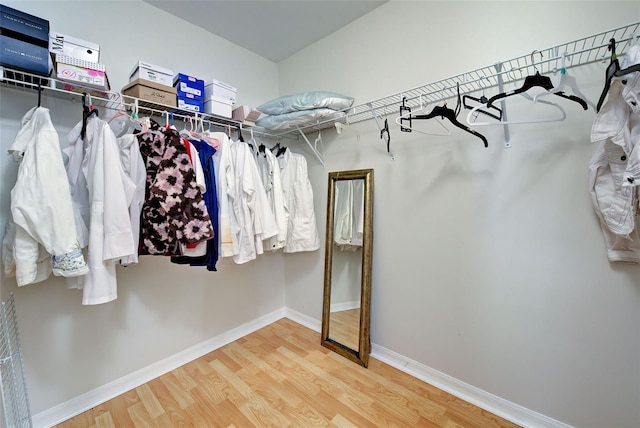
(281, 376)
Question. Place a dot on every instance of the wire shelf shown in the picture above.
(110, 100)
(578, 52)
(13, 386)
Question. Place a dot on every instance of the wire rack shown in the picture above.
(13, 386)
(31, 83)
(578, 52)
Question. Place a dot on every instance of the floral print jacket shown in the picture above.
(174, 211)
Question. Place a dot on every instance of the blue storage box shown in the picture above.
(189, 85)
(24, 56)
(25, 27)
(190, 103)
(24, 41)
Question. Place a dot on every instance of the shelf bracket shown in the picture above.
(315, 151)
(507, 134)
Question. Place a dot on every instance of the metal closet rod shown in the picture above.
(579, 52)
(112, 100)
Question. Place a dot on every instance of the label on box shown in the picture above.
(184, 88)
(190, 104)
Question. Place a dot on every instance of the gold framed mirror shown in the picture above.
(347, 265)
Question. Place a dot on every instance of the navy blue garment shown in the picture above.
(205, 153)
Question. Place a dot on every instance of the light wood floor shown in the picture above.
(280, 376)
(344, 327)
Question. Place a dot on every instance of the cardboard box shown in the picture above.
(190, 104)
(245, 114)
(152, 73)
(189, 85)
(24, 56)
(24, 39)
(216, 88)
(73, 47)
(83, 73)
(22, 26)
(152, 92)
(218, 106)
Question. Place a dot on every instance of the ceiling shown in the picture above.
(272, 29)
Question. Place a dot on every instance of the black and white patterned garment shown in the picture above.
(174, 211)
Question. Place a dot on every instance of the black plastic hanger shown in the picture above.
(612, 69)
(87, 111)
(39, 93)
(240, 137)
(496, 113)
(445, 112)
(384, 131)
(403, 118)
(537, 80)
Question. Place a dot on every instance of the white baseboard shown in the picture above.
(485, 400)
(476, 396)
(345, 306)
(302, 319)
(86, 401)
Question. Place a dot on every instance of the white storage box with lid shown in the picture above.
(216, 88)
(153, 73)
(218, 105)
(73, 47)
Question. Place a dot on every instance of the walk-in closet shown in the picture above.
(468, 165)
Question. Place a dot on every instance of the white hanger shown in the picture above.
(565, 81)
(408, 115)
(340, 126)
(516, 122)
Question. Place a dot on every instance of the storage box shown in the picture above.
(218, 106)
(216, 88)
(245, 114)
(190, 103)
(152, 73)
(22, 26)
(151, 91)
(24, 56)
(73, 47)
(24, 41)
(189, 85)
(83, 73)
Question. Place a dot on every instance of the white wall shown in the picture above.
(489, 264)
(162, 308)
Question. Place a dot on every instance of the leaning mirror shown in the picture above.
(347, 265)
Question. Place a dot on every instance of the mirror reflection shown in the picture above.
(348, 264)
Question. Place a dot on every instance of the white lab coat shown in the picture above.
(41, 206)
(272, 181)
(255, 220)
(133, 166)
(348, 219)
(103, 193)
(225, 179)
(302, 230)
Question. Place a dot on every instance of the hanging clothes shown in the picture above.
(174, 211)
(205, 154)
(133, 166)
(102, 193)
(225, 180)
(42, 235)
(348, 216)
(255, 220)
(614, 171)
(302, 230)
(272, 181)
